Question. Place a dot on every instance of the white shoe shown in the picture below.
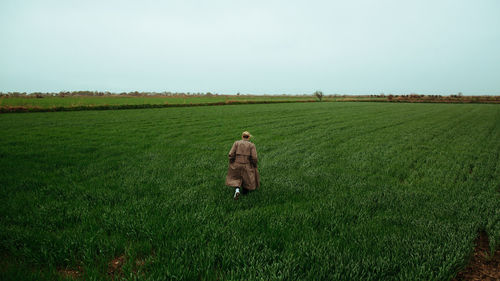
(237, 194)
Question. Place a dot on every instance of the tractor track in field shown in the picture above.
(482, 265)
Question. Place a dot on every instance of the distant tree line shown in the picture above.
(103, 94)
(130, 94)
(319, 95)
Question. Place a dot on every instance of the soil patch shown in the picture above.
(71, 273)
(482, 266)
(115, 267)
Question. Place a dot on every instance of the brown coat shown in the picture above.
(242, 171)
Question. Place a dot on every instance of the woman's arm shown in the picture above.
(253, 156)
(232, 152)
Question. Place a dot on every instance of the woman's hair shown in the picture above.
(246, 134)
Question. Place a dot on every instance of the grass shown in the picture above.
(74, 101)
(350, 191)
(10, 104)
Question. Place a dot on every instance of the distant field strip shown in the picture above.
(350, 191)
(82, 102)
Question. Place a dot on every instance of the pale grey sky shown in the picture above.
(257, 47)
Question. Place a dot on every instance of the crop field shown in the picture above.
(48, 102)
(349, 191)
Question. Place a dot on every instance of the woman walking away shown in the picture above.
(242, 172)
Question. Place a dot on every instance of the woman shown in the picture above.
(242, 171)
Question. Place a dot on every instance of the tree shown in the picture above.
(319, 95)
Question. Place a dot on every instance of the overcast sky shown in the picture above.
(254, 47)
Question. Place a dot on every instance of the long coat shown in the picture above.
(242, 171)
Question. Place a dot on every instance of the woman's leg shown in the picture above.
(236, 193)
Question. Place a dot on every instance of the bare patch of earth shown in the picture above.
(71, 273)
(115, 267)
(482, 265)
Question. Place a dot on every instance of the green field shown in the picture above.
(350, 191)
(100, 101)
(73, 101)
